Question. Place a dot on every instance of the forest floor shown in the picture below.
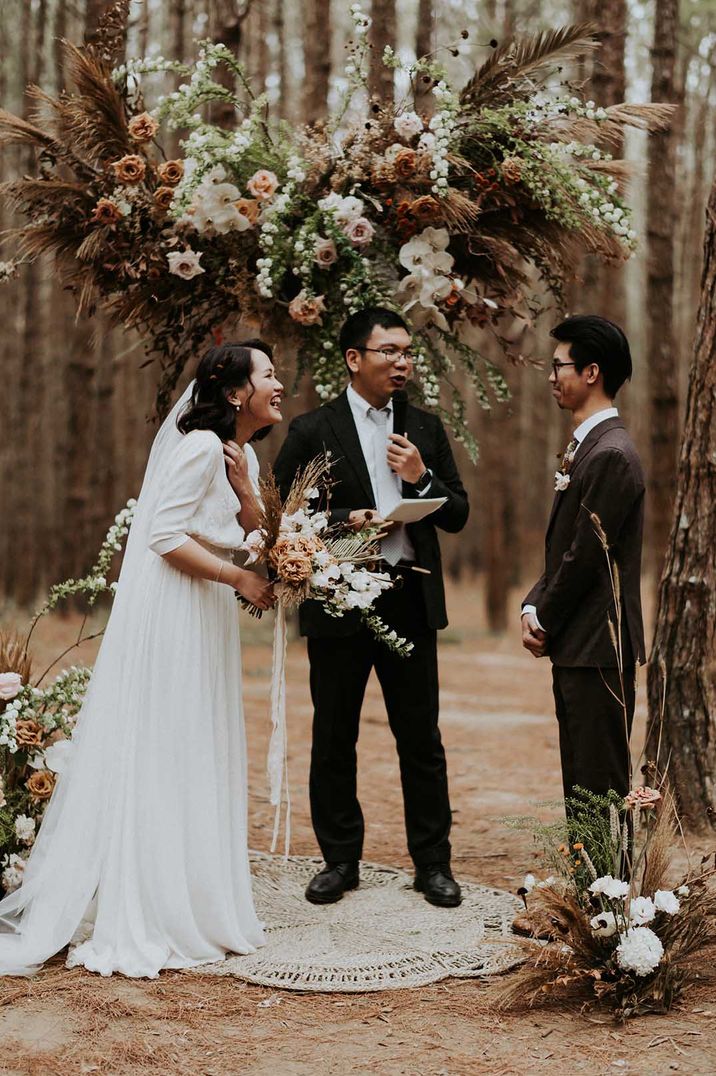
(501, 740)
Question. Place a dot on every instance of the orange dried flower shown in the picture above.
(171, 172)
(40, 785)
(142, 128)
(130, 169)
(249, 208)
(163, 197)
(405, 163)
(105, 212)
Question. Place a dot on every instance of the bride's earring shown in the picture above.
(238, 407)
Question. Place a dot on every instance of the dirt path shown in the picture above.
(502, 755)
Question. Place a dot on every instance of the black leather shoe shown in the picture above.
(332, 882)
(436, 882)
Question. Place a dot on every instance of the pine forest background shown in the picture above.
(75, 396)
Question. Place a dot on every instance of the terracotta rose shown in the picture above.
(28, 733)
(40, 785)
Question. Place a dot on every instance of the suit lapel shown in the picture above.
(593, 438)
(340, 417)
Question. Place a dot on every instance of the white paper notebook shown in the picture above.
(413, 510)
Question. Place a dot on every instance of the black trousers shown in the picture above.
(340, 668)
(593, 734)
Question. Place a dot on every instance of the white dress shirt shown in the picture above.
(579, 434)
(360, 409)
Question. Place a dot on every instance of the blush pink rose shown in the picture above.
(326, 253)
(360, 231)
(10, 685)
(262, 184)
(307, 310)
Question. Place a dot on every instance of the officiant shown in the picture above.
(383, 450)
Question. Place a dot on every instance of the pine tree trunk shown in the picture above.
(317, 59)
(685, 639)
(661, 343)
(382, 32)
(424, 44)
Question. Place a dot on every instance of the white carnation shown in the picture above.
(641, 911)
(640, 951)
(408, 124)
(610, 887)
(25, 829)
(666, 901)
(13, 874)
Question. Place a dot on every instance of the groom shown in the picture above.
(566, 613)
(374, 462)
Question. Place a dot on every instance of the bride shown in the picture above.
(141, 862)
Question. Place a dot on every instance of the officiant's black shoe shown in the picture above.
(436, 883)
(332, 882)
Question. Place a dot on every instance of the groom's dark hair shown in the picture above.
(355, 331)
(596, 340)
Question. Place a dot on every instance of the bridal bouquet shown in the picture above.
(622, 934)
(309, 559)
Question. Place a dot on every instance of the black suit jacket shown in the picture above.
(332, 428)
(574, 597)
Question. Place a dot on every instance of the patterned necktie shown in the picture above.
(387, 493)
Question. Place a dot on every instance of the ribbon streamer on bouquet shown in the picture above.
(277, 763)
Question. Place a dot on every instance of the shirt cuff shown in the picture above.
(532, 609)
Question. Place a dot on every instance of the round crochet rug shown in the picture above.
(381, 936)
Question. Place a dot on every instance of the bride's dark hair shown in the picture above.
(223, 368)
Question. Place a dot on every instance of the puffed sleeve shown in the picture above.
(189, 473)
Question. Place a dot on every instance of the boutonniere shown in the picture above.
(561, 477)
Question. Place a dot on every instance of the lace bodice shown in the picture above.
(197, 500)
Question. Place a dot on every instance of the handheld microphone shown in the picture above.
(400, 407)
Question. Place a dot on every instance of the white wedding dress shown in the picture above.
(141, 862)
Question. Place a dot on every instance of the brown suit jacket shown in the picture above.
(574, 596)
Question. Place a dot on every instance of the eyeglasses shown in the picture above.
(557, 366)
(390, 354)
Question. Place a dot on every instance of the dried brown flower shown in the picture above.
(28, 733)
(130, 169)
(426, 209)
(106, 212)
(249, 208)
(405, 163)
(163, 197)
(142, 128)
(40, 785)
(171, 172)
(292, 558)
(511, 169)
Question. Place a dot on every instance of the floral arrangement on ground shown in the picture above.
(439, 215)
(37, 722)
(620, 933)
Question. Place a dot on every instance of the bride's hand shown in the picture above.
(257, 590)
(237, 466)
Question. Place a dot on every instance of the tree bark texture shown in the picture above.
(661, 342)
(381, 79)
(685, 638)
(317, 59)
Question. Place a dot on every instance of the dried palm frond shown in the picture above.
(14, 656)
(46, 195)
(313, 475)
(517, 61)
(51, 238)
(271, 508)
(661, 843)
(95, 118)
